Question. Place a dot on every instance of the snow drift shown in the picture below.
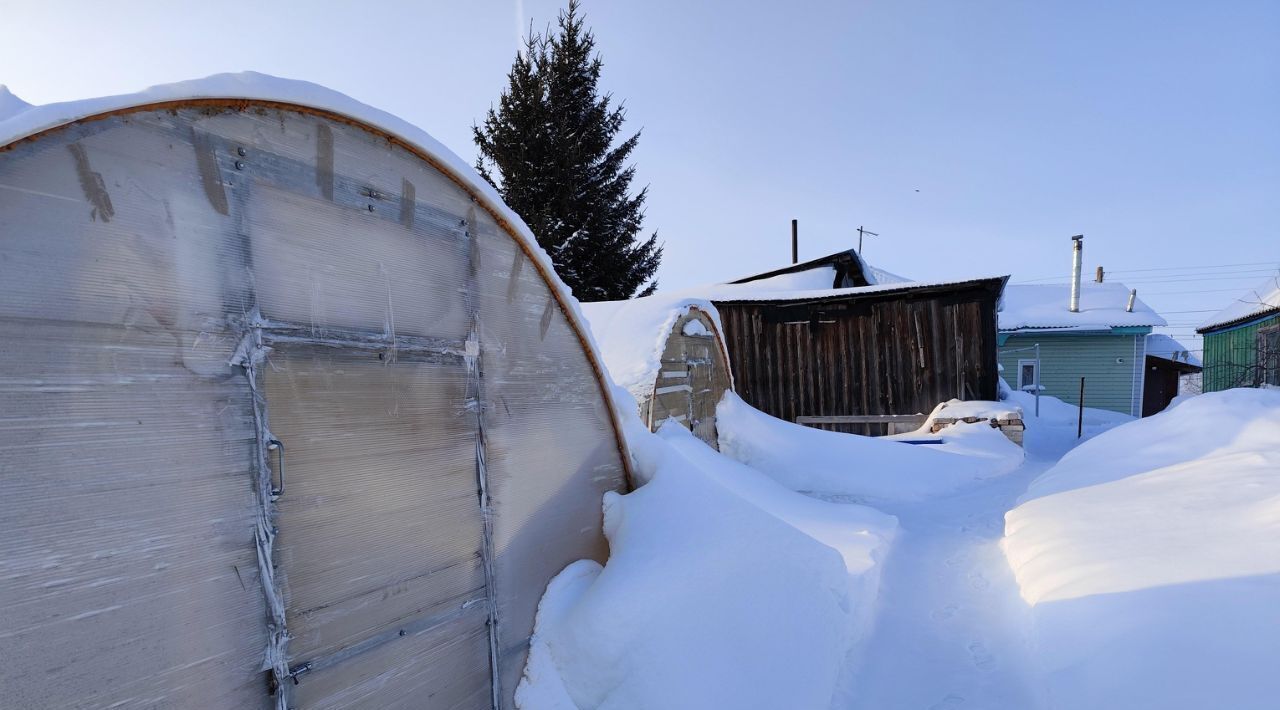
(847, 466)
(722, 589)
(1151, 558)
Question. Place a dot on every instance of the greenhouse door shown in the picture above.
(380, 546)
(702, 402)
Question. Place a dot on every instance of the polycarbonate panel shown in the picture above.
(432, 669)
(379, 523)
(693, 378)
(141, 254)
(326, 266)
(129, 576)
(539, 388)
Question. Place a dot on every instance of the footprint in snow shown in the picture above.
(982, 658)
(952, 700)
(956, 561)
(944, 613)
(978, 582)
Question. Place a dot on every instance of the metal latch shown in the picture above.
(298, 671)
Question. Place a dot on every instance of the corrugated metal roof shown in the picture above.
(1256, 303)
(1102, 307)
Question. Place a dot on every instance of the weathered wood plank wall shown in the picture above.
(895, 353)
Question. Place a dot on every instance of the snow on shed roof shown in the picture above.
(20, 120)
(847, 263)
(777, 289)
(1165, 347)
(632, 335)
(1260, 301)
(1047, 306)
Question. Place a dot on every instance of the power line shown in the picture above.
(1185, 268)
(1190, 269)
(1179, 293)
(1170, 278)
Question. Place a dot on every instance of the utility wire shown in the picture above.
(1170, 278)
(1186, 268)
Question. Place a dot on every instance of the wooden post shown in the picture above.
(795, 241)
(1080, 417)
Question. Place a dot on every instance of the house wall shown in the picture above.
(1111, 364)
(900, 354)
(1229, 355)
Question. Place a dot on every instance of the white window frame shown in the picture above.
(1028, 386)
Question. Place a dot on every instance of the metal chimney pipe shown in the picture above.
(1077, 255)
(1133, 295)
(795, 241)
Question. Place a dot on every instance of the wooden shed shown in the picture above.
(855, 349)
(669, 354)
(296, 413)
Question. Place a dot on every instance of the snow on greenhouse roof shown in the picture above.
(1102, 306)
(1259, 301)
(632, 335)
(10, 105)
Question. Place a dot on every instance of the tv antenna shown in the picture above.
(862, 232)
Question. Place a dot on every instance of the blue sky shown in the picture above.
(975, 137)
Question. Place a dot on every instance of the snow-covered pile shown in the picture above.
(1264, 298)
(1151, 556)
(958, 409)
(632, 334)
(842, 466)
(722, 589)
(1102, 306)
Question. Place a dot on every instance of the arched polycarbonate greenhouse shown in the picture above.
(295, 412)
(666, 350)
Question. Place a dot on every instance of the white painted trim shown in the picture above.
(1140, 374)
(673, 388)
(1026, 361)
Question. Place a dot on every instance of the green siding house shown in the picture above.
(1242, 342)
(1104, 342)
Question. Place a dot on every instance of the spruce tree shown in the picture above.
(549, 150)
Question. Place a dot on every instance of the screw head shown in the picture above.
(241, 152)
(239, 165)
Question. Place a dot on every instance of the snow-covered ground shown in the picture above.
(857, 468)
(722, 589)
(1142, 570)
(1150, 558)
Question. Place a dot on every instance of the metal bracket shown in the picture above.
(298, 671)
